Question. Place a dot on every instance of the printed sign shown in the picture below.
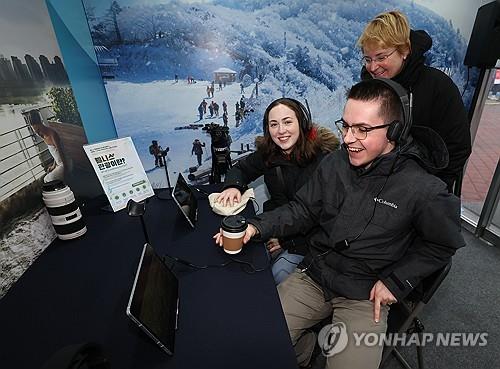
(120, 171)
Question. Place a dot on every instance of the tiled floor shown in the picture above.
(485, 154)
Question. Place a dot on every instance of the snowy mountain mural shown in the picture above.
(166, 55)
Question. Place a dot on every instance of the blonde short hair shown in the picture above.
(389, 29)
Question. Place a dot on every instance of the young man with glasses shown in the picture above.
(392, 50)
(383, 224)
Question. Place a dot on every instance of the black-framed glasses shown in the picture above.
(359, 131)
(378, 59)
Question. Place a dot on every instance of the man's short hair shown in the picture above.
(391, 108)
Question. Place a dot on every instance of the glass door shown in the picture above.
(481, 179)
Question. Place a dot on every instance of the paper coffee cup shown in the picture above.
(233, 231)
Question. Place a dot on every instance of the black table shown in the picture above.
(77, 291)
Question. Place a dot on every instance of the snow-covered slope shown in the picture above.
(297, 48)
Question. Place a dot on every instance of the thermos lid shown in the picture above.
(234, 223)
(53, 185)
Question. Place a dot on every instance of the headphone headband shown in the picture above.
(305, 122)
(399, 131)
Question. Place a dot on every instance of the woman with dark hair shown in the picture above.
(287, 154)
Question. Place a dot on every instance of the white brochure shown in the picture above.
(120, 171)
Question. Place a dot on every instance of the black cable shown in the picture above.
(192, 265)
(302, 270)
(252, 269)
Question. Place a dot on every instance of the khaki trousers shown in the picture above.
(304, 306)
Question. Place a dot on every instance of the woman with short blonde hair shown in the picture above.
(392, 50)
(390, 29)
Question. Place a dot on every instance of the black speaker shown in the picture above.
(484, 44)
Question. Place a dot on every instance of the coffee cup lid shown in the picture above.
(234, 223)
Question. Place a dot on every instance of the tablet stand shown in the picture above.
(137, 209)
(165, 195)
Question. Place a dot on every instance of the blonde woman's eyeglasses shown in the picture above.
(366, 60)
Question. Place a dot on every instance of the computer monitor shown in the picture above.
(186, 201)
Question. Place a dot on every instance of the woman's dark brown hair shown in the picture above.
(304, 149)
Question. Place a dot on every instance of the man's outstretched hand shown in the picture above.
(249, 233)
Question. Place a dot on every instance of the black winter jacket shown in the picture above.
(436, 104)
(281, 191)
(400, 221)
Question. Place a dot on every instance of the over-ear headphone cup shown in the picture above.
(399, 132)
(306, 124)
(395, 131)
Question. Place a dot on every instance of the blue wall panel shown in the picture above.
(73, 36)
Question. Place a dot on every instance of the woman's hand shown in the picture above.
(249, 233)
(229, 195)
(273, 245)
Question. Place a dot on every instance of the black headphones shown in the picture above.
(398, 131)
(305, 119)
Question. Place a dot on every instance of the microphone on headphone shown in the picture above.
(342, 245)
